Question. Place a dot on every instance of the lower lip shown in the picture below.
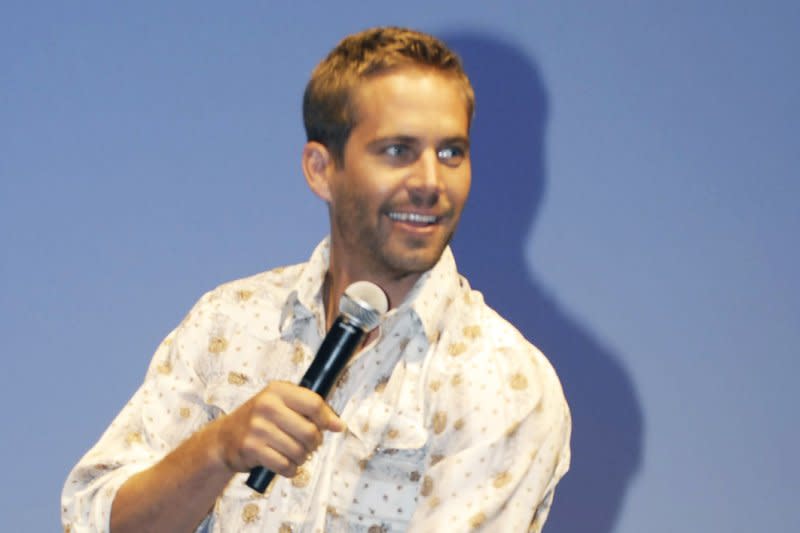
(419, 229)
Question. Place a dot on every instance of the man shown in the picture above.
(448, 419)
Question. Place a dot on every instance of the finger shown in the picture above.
(296, 426)
(271, 408)
(273, 460)
(274, 437)
(311, 405)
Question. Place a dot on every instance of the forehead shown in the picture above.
(411, 98)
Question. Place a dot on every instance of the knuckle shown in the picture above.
(316, 403)
(299, 456)
(268, 405)
(310, 435)
(250, 446)
(278, 387)
(289, 469)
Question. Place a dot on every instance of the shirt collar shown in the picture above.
(432, 294)
(305, 301)
(427, 301)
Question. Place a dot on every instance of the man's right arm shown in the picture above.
(277, 428)
(170, 452)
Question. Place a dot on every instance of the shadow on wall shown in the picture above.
(508, 183)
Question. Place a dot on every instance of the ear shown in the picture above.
(318, 166)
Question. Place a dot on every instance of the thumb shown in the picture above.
(332, 422)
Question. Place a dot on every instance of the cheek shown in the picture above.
(354, 202)
(366, 181)
(459, 189)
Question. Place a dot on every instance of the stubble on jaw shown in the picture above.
(369, 240)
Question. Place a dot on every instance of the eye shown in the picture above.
(396, 150)
(451, 155)
(399, 154)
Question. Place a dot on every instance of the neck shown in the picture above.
(337, 279)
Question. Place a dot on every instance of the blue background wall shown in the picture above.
(634, 211)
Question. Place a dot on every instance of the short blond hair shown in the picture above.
(328, 111)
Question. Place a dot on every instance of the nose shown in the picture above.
(425, 184)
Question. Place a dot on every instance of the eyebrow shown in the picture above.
(407, 139)
(458, 139)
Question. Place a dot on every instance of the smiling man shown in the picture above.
(448, 419)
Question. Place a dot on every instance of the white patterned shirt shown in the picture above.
(455, 422)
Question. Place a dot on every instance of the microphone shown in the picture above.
(361, 307)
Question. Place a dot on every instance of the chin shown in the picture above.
(413, 261)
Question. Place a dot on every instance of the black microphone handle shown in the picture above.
(332, 356)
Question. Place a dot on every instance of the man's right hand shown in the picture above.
(278, 428)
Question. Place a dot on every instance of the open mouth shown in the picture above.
(414, 218)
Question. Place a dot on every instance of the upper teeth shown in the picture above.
(413, 217)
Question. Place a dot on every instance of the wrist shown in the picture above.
(216, 448)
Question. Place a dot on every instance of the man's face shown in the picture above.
(397, 198)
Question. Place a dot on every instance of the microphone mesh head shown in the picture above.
(363, 303)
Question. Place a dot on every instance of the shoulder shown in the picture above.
(234, 307)
(236, 318)
(485, 360)
(265, 290)
(272, 285)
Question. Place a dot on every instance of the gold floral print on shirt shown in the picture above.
(427, 486)
(501, 479)
(439, 421)
(250, 513)
(217, 345)
(477, 520)
(519, 382)
(472, 332)
(437, 442)
(301, 478)
(237, 378)
(133, 437)
(457, 348)
(299, 355)
(380, 386)
(243, 295)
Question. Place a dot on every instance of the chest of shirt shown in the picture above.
(369, 474)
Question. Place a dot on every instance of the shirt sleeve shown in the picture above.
(500, 446)
(168, 407)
